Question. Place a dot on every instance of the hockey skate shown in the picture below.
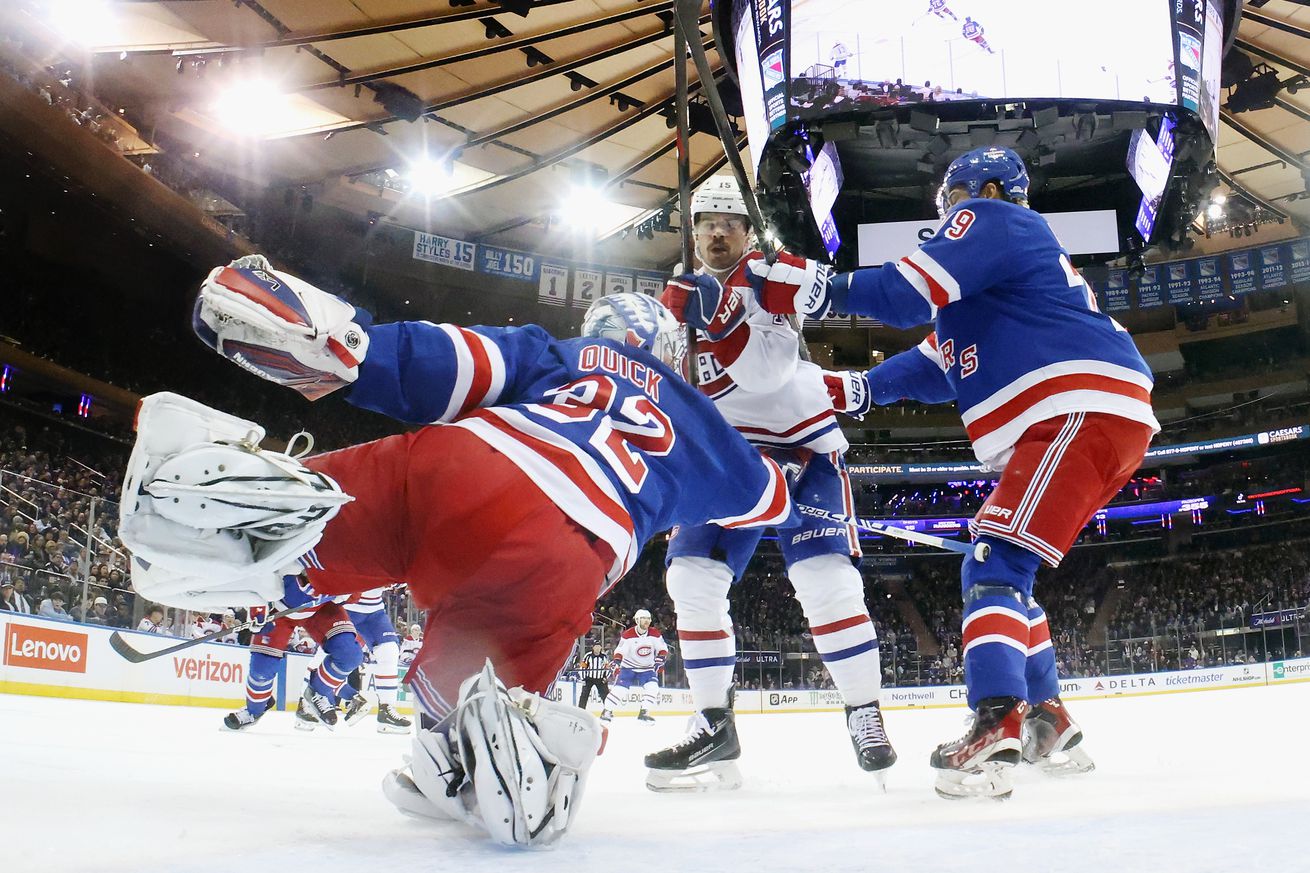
(392, 722)
(319, 707)
(356, 709)
(305, 721)
(869, 738)
(240, 720)
(645, 717)
(981, 763)
(705, 760)
(1051, 741)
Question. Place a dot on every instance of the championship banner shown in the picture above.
(507, 263)
(1178, 282)
(1209, 279)
(1298, 259)
(650, 284)
(1273, 269)
(552, 283)
(618, 283)
(588, 284)
(1150, 287)
(444, 250)
(1241, 270)
(1116, 292)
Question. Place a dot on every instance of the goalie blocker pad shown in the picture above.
(213, 521)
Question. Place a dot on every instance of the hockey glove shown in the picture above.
(613, 676)
(792, 285)
(849, 392)
(704, 303)
(280, 328)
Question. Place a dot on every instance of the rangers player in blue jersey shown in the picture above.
(1053, 393)
(549, 463)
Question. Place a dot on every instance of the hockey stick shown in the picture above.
(126, 650)
(681, 114)
(887, 530)
(689, 18)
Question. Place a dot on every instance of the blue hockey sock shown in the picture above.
(996, 631)
(259, 681)
(1043, 681)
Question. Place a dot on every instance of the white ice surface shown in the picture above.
(1210, 781)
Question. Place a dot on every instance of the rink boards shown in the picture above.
(62, 659)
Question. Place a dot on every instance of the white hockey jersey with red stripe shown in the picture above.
(756, 378)
(641, 651)
(366, 601)
(1019, 338)
(621, 444)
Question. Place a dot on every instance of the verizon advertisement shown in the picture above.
(62, 659)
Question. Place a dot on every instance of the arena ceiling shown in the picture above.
(520, 104)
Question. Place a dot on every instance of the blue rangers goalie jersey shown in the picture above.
(620, 443)
(1018, 335)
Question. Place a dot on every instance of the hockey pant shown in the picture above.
(1062, 472)
(821, 565)
(601, 687)
(330, 628)
(628, 680)
(377, 632)
(501, 571)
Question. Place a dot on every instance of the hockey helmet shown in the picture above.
(641, 613)
(638, 320)
(719, 194)
(972, 170)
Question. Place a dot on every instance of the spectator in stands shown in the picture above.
(53, 606)
(11, 600)
(153, 623)
(99, 613)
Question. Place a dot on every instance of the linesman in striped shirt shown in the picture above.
(594, 667)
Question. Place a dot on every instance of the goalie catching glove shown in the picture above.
(280, 328)
(212, 520)
(514, 764)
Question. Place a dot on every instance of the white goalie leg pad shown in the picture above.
(526, 757)
(198, 552)
(434, 784)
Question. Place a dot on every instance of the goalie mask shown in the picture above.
(641, 321)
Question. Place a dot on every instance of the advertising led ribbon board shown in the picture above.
(814, 58)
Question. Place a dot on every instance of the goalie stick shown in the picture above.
(682, 117)
(912, 536)
(688, 17)
(126, 650)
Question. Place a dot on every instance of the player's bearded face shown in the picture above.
(721, 239)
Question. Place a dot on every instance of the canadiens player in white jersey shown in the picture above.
(638, 661)
(543, 468)
(1053, 393)
(368, 614)
(749, 364)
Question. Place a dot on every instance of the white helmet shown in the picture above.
(640, 614)
(415, 630)
(637, 320)
(719, 194)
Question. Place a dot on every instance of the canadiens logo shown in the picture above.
(644, 651)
